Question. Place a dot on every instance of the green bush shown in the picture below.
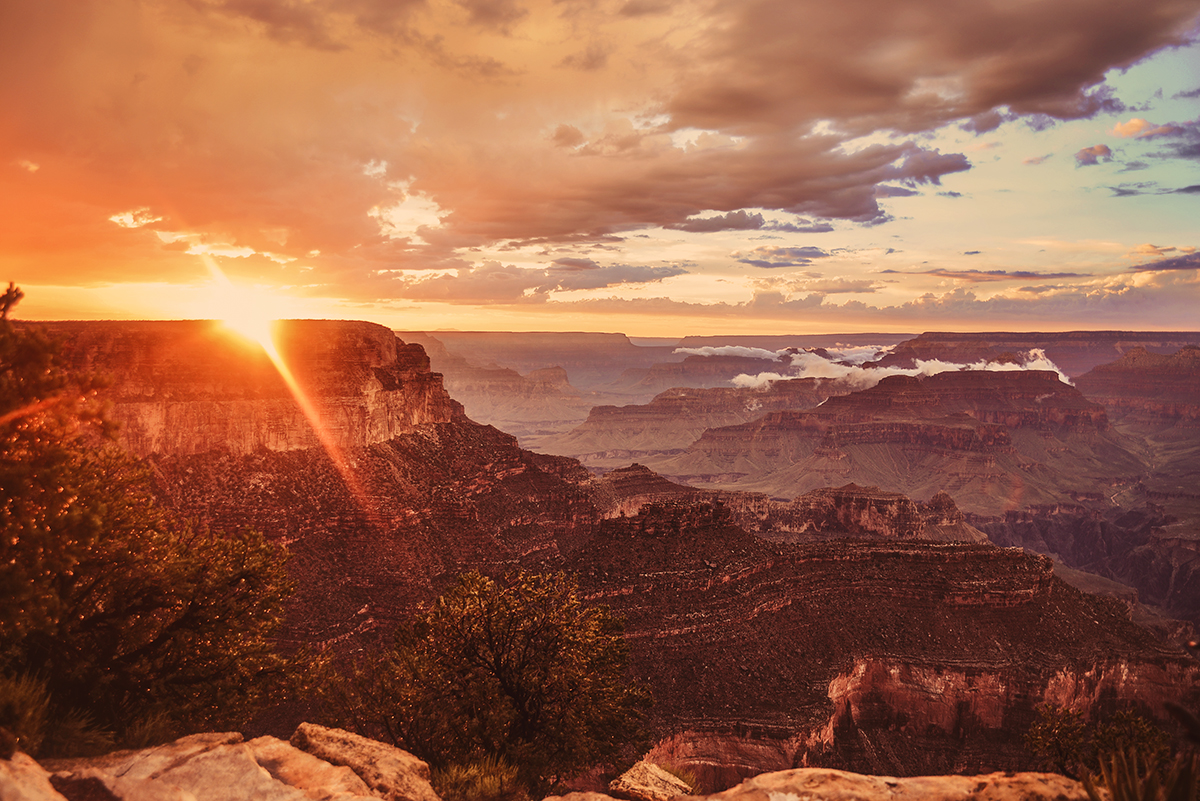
(129, 619)
(522, 672)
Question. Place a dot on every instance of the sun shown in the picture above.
(244, 312)
(247, 311)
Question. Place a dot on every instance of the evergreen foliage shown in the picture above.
(521, 672)
(132, 622)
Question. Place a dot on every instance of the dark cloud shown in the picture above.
(774, 64)
(1190, 261)
(972, 252)
(772, 258)
(1190, 93)
(950, 194)
(595, 57)
(568, 136)
(496, 282)
(1194, 189)
(1089, 156)
(986, 276)
(894, 191)
(986, 122)
(733, 221)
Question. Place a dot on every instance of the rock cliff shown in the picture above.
(897, 657)
(742, 639)
(613, 435)
(188, 387)
(1075, 352)
(1149, 387)
(542, 402)
(993, 440)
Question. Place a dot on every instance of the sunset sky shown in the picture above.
(651, 167)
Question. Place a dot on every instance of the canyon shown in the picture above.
(863, 624)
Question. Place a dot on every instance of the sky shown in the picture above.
(650, 167)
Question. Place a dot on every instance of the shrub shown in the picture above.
(521, 672)
(132, 621)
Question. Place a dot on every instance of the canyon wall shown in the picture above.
(1074, 352)
(187, 387)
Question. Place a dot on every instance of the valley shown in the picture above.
(840, 570)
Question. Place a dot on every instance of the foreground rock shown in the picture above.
(646, 781)
(221, 767)
(836, 785)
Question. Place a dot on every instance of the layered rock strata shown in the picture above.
(188, 387)
(1074, 352)
(741, 639)
(1149, 387)
(614, 435)
(994, 441)
(901, 657)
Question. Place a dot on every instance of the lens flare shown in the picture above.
(246, 313)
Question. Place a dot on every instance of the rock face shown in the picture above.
(189, 387)
(613, 435)
(895, 657)
(993, 440)
(761, 654)
(533, 405)
(694, 371)
(1075, 352)
(590, 359)
(646, 781)
(1147, 386)
(221, 767)
(836, 785)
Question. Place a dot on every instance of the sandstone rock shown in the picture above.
(646, 781)
(317, 778)
(394, 774)
(834, 785)
(23, 779)
(821, 784)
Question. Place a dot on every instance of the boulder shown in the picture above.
(317, 778)
(394, 774)
(808, 784)
(646, 781)
(23, 779)
(838, 785)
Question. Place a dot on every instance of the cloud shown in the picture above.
(1037, 159)
(733, 221)
(1190, 261)
(496, 282)
(988, 276)
(807, 364)
(773, 257)
(247, 124)
(1189, 190)
(1089, 156)
(1141, 129)
(732, 350)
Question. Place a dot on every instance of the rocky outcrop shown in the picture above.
(694, 371)
(994, 441)
(186, 387)
(901, 657)
(1148, 387)
(535, 405)
(1074, 352)
(674, 419)
(392, 773)
(320, 765)
(837, 785)
(852, 511)
(590, 359)
(646, 781)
